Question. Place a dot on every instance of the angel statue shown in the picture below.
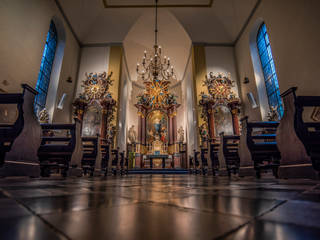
(273, 114)
(132, 135)
(203, 132)
(181, 134)
(43, 116)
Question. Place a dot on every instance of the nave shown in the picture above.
(159, 207)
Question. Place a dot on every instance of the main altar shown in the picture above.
(157, 145)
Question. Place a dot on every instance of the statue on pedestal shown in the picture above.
(181, 135)
(132, 135)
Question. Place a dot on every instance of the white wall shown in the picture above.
(222, 60)
(23, 27)
(294, 33)
(93, 59)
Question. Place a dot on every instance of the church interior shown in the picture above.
(159, 119)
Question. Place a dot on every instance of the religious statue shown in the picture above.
(43, 116)
(132, 135)
(273, 114)
(203, 132)
(181, 134)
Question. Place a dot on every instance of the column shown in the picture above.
(211, 122)
(235, 122)
(103, 130)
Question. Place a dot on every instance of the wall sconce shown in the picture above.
(246, 80)
(61, 102)
(69, 79)
(252, 100)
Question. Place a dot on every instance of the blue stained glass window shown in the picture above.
(45, 68)
(269, 70)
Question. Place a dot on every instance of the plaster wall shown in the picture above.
(24, 26)
(93, 59)
(295, 47)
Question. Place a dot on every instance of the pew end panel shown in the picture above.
(229, 149)
(261, 142)
(57, 147)
(302, 160)
(22, 138)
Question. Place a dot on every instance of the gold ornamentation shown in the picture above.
(43, 116)
(96, 85)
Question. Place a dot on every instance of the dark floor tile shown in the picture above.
(73, 202)
(26, 228)
(259, 193)
(9, 208)
(313, 197)
(266, 230)
(149, 195)
(143, 221)
(229, 205)
(2, 195)
(296, 212)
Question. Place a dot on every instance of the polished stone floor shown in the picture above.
(159, 207)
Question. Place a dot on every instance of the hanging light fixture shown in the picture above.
(155, 67)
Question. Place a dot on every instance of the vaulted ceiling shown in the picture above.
(109, 21)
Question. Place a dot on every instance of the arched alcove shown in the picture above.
(56, 68)
(175, 43)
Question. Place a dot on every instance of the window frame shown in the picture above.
(268, 69)
(47, 61)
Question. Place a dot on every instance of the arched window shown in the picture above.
(269, 70)
(45, 68)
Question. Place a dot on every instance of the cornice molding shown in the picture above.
(209, 5)
(67, 21)
(253, 11)
(101, 44)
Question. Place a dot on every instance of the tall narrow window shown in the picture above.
(45, 68)
(269, 70)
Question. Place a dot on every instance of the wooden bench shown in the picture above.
(299, 138)
(261, 143)
(209, 158)
(214, 149)
(90, 154)
(114, 161)
(9, 132)
(55, 152)
(229, 147)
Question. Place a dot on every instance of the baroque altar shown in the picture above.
(220, 107)
(157, 144)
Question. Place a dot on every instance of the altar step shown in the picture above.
(158, 171)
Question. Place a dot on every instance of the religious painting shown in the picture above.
(223, 120)
(157, 126)
(92, 121)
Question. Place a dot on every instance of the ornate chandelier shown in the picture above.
(154, 67)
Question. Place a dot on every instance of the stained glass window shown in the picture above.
(269, 70)
(45, 68)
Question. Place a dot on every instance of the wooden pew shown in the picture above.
(106, 163)
(261, 142)
(229, 149)
(299, 139)
(61, 152)
(90, 154)
(9, 132)
(209, 158)
(20, 138)
(114, 161)
(214, 160)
